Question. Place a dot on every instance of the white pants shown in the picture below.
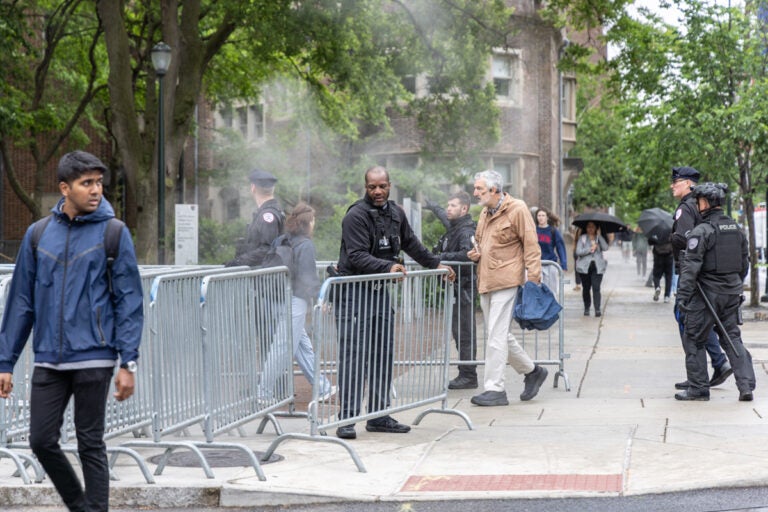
(501, 346)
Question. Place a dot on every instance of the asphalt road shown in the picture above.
(721, 500)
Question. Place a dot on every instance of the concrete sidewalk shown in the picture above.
(619, 431)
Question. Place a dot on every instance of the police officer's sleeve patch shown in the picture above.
(678, 213)
(693, 244)
(268, 217)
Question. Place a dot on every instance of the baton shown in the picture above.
(717, 320)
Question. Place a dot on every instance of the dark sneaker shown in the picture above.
(387, 424)
(721, 374)
(689, 395)
(346, 432)
(490, 398)
(745, 396)
(682, 385)
(586, 312)
(533, 382)
(598, 313)
(462, 382)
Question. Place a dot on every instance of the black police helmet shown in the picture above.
(714, 193)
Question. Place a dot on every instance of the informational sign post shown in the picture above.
(186, 234)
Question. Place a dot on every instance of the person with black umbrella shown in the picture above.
(591, 265)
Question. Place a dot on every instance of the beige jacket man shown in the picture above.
(507, 248)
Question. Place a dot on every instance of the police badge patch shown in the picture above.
(693, 243)
(268, 217)
(678, 213)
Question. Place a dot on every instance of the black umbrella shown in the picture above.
(605, 221)
(656, 224)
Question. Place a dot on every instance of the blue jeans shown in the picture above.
(51, 391)
(716, 354)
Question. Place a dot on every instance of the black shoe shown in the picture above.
(689, 395)
(346, 432)
(682, 385)
(721, 374)
(745, 396)
(598, 313)
(586, 312)
(462, 382)
(387, 424)
(490, 398)
(533, 382)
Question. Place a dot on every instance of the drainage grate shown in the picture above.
(215, 458)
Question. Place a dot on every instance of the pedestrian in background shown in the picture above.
(552, 247)
(715, 264)
(591, 265)
(687, 217)
(625, 241)
(640, 251)
(85, 314)
(453, 246)
(305, 285)
(507, 254)
(373, 232)
(663, 266)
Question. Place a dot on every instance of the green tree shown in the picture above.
(52, 86)
(350, 55)
(693, 94)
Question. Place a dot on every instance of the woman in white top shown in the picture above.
(591, 266)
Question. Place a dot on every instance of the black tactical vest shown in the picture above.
(725, 256)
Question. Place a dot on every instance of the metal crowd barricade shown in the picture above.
(14, 410)
(419, 351)
(548, 347)
(248, 348)
(173, 366)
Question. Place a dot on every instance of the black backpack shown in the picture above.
(111, 240)
(277, 254)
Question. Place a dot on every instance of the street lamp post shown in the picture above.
(161, 59)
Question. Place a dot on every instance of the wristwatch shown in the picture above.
(131, 366)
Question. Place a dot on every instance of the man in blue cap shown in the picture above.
(267, 224)
(686, 217)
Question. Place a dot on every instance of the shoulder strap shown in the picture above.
(37, 232)
(112, 235)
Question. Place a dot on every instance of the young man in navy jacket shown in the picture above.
(83, 320)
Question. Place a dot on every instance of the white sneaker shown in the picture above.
(666, 300)
(656, 294)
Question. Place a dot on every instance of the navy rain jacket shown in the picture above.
(67, 284)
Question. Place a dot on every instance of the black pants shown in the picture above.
(698, 325)
(663, 264)
(463, 330)
(591, 282)
(51, 391)
(365, 325)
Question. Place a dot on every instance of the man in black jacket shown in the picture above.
(715, 263)
(454, 246)
(686, 217)
(267, 223)
(373, 233)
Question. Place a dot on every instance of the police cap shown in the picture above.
(262, 178)
(685, 173)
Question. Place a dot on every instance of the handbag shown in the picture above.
(536, 307)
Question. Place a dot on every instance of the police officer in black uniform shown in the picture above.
(267, 223)
(373, 232)
(454, 245)
(716, 258)
(685, 219)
